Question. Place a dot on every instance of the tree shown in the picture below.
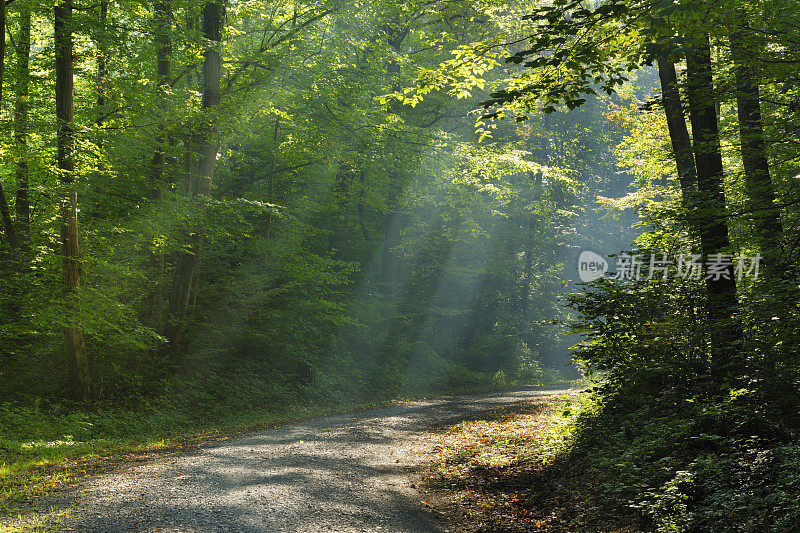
(578, 50)
(207, 143)
(760, 191)
(21, 121)
(678, 134)
(79, 384)
(721, 290)
(5, 212)
(163, 43)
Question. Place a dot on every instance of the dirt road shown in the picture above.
(346, 473)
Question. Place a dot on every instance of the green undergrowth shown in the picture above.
(639, 460)
(677, 463)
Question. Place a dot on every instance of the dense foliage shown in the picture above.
(695, 427)
(221, 204)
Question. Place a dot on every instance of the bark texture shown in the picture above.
(678, 133)
(163, 42)
(5, 212)
(186, 274)
(758, 183)
(21, 122)
(725, 331)
(78, 383)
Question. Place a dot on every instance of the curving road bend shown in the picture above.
(345, 473)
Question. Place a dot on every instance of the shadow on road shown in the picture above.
(343, 473)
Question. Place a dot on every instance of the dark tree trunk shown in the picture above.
(179, 297)
(678, 133)
(163, 42)
(213, 13)
(5, 213)
(360, 207)
(102, 79)
(390, 258)
(725, 331)
(21, 122)
(77, 363)
(8, 223)
(268, 229)
(760, 192)
(208, 147)
(102, 62)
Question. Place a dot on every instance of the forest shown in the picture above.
(220, 213)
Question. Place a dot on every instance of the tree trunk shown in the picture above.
(21, 122)
(760, 192)
(268, 229)
(163, 45)
(5, 213)
(77, 364)
(678, 133)
(390, 258)
(725, 331)
(360, 207)
(163, 42)
(8, 223)
(213, 12)
(208, 147)
(102, 63)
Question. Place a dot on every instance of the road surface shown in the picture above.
(345, 473)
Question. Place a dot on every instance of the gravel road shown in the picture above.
(346, 473)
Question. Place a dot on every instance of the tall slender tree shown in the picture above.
(79, 385)
(102, 62)
(21, 121)
(207, 142)
(5, 212)
(678, 133)
(163, 42)
(162, 10)
(721, 300)
(758, 183)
